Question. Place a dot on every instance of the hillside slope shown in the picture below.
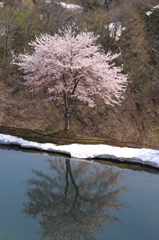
(135, 120)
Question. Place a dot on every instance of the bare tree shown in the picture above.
(8, 16)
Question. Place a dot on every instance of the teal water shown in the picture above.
(52, 197)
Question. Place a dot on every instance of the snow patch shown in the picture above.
(115, 29)
(150, 12)
(1, 4)
(71, 6)
(143, 155)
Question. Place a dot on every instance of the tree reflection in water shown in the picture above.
(75, 201)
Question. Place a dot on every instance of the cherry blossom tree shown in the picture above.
(72, 67)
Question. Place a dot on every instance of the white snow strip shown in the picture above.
(137, 155)
(157, 6)
(150, 12)
(70, 6)
(1, 4)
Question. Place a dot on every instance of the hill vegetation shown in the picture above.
(136, 120)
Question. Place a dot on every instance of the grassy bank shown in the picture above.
(64, 137)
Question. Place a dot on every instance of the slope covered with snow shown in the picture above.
(143, 155)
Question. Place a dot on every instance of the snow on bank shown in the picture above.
(143, 155)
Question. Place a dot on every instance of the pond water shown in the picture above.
(53, 197)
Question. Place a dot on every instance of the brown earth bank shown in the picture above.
(65, 137)
(133, 123)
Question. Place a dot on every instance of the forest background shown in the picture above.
(137, 118)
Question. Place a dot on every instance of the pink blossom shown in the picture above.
(71, 66)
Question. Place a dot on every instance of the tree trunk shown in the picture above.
(7, 47)
(66, 120)
(66, 112)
